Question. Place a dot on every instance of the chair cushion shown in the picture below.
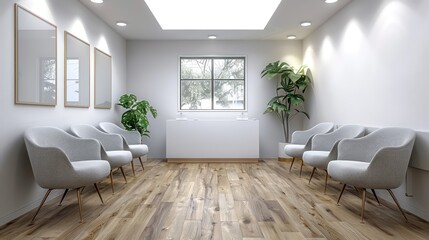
(318, 159)
(351, 172)
(86, 173)
(138, 150)
(295, 150)
(118, 158)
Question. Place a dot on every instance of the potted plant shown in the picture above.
(135, 117)
(289, 99)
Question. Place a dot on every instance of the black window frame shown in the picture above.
(212, 81)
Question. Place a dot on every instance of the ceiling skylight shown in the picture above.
(213, 14)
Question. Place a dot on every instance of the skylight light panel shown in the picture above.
(213, 14)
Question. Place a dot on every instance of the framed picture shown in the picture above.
(35, 59)
(103, 80)
(76, 72)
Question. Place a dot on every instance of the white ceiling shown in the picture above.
(285, 21)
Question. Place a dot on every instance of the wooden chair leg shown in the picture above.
(300, 170)
(326, 180)
(132, 166)
(123, 174)
(291, 164)
(363, 204)
(64, 195)
(111, 182)
(79, 201)
(41, 204)
(341, 193)
(141, 162)
(397, 204)
(311, 176)
(375, 196)
(98, 191)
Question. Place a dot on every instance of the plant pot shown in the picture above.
(281, 153)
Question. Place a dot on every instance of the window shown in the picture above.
(212, 83)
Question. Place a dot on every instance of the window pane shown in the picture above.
(195, 68)
(195, 94)
(229, 94)
(229, 68)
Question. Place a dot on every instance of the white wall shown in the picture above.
(19, 192)
(152, 74)
(370, 66)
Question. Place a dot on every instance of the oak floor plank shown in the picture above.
(191, 230)
(248, 223)
(231, 231)
(226, 205)
(270, 230)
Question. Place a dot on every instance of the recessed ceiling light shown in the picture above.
(291, 37)
(121, 24)
(331, 1)
(97, 1)
(306, 23)
(212, 37)
(213, 14)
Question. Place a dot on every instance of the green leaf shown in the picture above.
(269, 110)
(306, 114)
(153, 111)
(296, 99)
(274, 99)
(294, 77)
(127, 100)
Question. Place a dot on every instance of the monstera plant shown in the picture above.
(291, 85)
(136, 115)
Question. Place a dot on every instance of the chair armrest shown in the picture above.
(131, 137)
(333, 153)
(323, 142)
(110, 142)
(49, 164)
(78, 149)
(308, 144)
(390, 164)
(359, 149)
(301, 137)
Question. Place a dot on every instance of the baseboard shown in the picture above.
(283, 159)
(27, 208)
(213, 160)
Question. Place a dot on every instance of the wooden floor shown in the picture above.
(216, 201)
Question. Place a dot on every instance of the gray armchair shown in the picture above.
(301, 141)
(131, 139)
(62, 161)
(324, 147)
(111, 147)
(376, 161)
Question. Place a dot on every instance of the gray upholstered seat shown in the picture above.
(111, 147)
(131, 139)
(62, 161)
(301, 141)
(324, 147)
(376, 161)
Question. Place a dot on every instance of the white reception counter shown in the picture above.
(203, 140)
